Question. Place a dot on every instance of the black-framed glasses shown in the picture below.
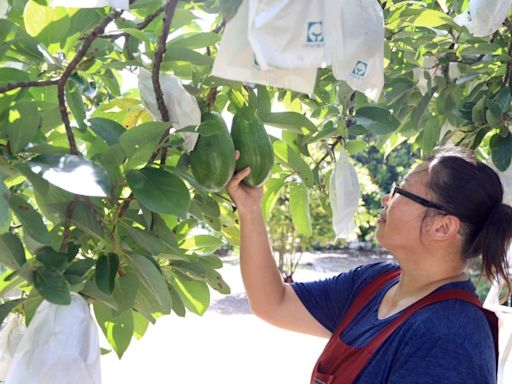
(418, 199)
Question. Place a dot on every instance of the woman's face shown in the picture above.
(400, 223)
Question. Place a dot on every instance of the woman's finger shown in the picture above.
(238, 177)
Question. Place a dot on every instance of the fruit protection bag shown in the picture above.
(484, 17)
(236, 61)
(287, 33)
(182, 106)
(344, 192)
(354, 44)
(123, 4)
(10, 337)
(60, 346)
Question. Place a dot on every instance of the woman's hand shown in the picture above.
(246, 199)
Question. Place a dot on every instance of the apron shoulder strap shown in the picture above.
(448, 294)
(365, 296)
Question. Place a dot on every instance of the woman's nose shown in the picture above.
(384, 200)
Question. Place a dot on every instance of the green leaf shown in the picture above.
(140, 325)
(24, 121)
(501, 151)
(12, 253)
(138, 34)
(86, 221)
(76, 105)
(419, 113)
(272, 189)
(145, 239)
(431, 132)
(479, 49)
(37, 17)
(91, 289)
(152, 279)
(355, 146)
(50, 284)
(215, 280)
(51, 258)
(299, 206)
(159, 191)
(189, 56)
(79, 267)
(106, 271)
(136, 137)
(125, 290)
(195, 40)
(292, 121)
(194, 293)
(229, 8)
(193, 269)
(431, 18)
(11, 75)
(287, 156)
(108, 130)
(72, 173)
(7, 307)
(4, 204)
(31, 220)
(205, 243)
(117, 327)
(376, 120)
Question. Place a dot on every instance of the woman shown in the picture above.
(418, 321)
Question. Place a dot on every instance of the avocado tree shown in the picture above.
(97, 195)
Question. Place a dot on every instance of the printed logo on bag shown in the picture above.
(359, 70)
(315, 36)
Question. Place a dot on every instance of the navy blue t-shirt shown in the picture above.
(447, 342)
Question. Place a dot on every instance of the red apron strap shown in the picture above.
(365, 296)
(436, 297)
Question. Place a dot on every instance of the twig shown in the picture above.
(142, 25)
(159, 55)
(67, 225)
(122, 209)
(27, 84)
(61, 84)
(170, 7)
(73, 149)
(219, 27)
(338, 140)
(150, 18)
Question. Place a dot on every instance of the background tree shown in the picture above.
(98, 198)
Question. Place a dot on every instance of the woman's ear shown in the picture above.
(445, 227)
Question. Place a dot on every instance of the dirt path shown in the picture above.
(228, 344)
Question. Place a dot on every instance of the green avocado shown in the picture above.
(213, 158)
(251, 139)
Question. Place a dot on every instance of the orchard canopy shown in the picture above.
(98, 198)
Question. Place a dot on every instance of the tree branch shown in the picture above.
(61, 84)
(159, 55)
(170, 7)
(150, 18)
(67, 225)
(28, 84)
(143, 24)
(338, 140)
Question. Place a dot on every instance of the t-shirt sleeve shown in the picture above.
(437, 360)
(328, 299)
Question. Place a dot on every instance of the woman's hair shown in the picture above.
(473, 191)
